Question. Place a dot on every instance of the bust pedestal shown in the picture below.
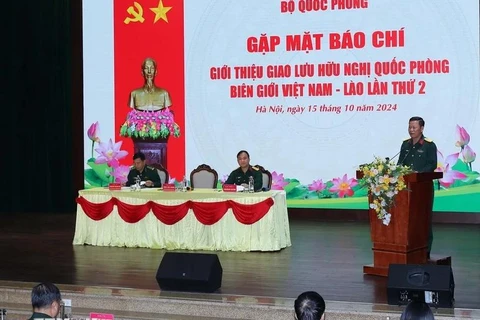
(155, 150)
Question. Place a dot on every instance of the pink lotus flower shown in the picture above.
(317, 185)
(110, 153)
(343, 186)
(93, 132)
(468, 154)
(278, 182)
(224, 178)
(120, 173)
(463, 138)
(445, 166)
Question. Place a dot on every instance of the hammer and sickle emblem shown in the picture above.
(137, 15)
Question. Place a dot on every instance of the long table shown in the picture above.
(202, 219)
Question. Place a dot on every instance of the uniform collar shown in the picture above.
(39, 315)
(249, 169)
(421, 141)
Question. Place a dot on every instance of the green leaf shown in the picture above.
(360, 192)
(472, 178)
(289, 187)
(325, 194)
(312, 195)
(297, 193)
(100, 170)
(472, 175)
(92, 178)
(461, 166)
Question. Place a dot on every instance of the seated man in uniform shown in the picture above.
(46, 301)
(241, 175)
(144, 172)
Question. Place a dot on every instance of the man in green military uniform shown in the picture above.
(241, 175)
(420, 154)
(144, 172)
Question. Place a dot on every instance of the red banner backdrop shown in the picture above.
(155, 29)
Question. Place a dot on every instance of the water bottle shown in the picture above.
(184, 184)
(251, 185)
(137, 183)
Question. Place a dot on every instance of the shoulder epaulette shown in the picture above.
(407, 139)
(428, 140)
(151, 168)
(255, 168)
(132, 168)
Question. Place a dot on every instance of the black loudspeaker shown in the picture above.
(190, 272)
(428, 283)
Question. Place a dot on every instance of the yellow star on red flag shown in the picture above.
(160, 12)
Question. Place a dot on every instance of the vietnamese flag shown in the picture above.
(150, 29)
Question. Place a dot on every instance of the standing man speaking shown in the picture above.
(420, 154)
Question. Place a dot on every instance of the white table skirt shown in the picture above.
(271, 233)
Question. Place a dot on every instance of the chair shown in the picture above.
(204, 177)
(266, 177)
(162, 172)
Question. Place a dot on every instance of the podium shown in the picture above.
(405, 239)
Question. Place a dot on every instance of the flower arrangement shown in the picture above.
(150, 124)
(384, 180)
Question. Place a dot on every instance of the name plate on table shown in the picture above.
(114, 186)
(169, 187)
(101, 316)
(229, 188)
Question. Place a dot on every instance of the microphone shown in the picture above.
(404, 158)
(389, 159)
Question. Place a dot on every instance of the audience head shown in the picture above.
(46, 299)
(309, 306)
(417, 310)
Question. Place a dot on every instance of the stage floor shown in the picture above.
(325, 256)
